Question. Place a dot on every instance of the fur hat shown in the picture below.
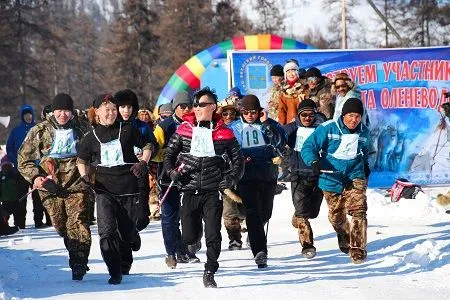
(250, 102)
(181, 98)
(62, 101)
(313, 72)
(277, 70)
(352, 105)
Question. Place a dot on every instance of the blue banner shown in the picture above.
(403, 90)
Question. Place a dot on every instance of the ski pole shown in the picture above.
(321, 171)
(33, 189)
(267, 229)
(161, 201)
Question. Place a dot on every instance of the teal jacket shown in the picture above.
(326, 140)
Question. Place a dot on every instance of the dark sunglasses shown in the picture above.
(202, 104)
(229, 113)
(306, 115)
(251, 111)
(184, 106)
(341, 86)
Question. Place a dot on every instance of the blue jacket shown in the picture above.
(18, 134)
(259, 164)
(327, 138)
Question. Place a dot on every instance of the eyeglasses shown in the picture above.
(251, 111)
(202, 104)
(229, 113)
(307, 115)
(184, 106)
(340, 86)
(312, 79)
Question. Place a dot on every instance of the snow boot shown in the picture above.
(261, 259)
(171, 262)
(235, 245)
(136, 242)
(194, 248)
(309, 251)
(117, 279)
(182, 258)
(78, 271)
(193, 258)
(208, 280)
(8, 230)
(357, 255)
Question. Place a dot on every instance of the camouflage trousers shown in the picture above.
(305, 233)
(233, 214)
(352, 236)
(70, 217)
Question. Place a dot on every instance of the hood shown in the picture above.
(26, 107)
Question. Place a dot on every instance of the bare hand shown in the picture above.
(38, 181)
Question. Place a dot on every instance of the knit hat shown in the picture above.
(313, 72)
(352, 105)
(181, 98)
(235, 91)
(103, 98)
(277, 70)
(306, 104)
(250, 102)
(165, 109)
(290, 66)
(62, 101)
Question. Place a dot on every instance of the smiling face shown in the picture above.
(292, 75)
(228, 115)
(341, 87)
(204, 108)
(106, 113)
(307, 117)
(351, 120)
(62, 116)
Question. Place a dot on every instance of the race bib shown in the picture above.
(252, 136)
(202, 142)
(111, 154)
(64, 144)
(302, 134)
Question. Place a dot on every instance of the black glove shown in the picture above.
(367, 170)
(139, 169)
(315, 168)
(175, 175)
(227, 182)
(53, 188)
(85, 182)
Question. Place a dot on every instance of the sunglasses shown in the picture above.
(251, 111)
(229, 113)
(312, 79)
(307, 115)
(184, 106)
(202, 104)
(341, 86)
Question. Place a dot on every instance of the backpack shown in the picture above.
(402, 188)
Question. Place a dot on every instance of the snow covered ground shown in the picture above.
(408, 258)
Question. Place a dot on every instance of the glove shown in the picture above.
(175, 175)
(315, 168)
(227, 182)
(367, 170)
(139, 168)
(85, 182)
(53, 188)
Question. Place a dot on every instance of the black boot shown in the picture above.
(117, 279)
(208, 280)
(78, 271)
(261, 259)
(7, 230)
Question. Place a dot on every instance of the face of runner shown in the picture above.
(62, 116)
(351, 120)
(106, 113)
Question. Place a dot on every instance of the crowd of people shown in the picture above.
(203, 160)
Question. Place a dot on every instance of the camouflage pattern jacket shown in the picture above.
(323, 98)
(288, 102)
(33, 159)
(275, 91)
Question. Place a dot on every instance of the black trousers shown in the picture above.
(206, 205)
(21, 207)
(116, 228)
(257, 197)
(306, 197)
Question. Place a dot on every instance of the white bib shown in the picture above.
(302, 134)
(111, 154)
(202, 142)
(63, 144)
(252, 136)
(348, 148)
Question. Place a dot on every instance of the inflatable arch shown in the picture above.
(187, 77)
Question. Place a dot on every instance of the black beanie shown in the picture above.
(277, 70)
(313, 72)
(103, 98)
(250, 102)
(62, 101)
(352, 105)
(306, 104)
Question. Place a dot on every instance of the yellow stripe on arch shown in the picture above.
(195, 66)
(251, 42)
(264, 42)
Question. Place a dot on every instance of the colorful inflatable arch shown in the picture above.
(187, 77)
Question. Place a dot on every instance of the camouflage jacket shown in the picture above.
(273, 101)
(33, 159)
(323, 98)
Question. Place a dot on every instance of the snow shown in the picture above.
(408, 258)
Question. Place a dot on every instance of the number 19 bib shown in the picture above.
(252, 136)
